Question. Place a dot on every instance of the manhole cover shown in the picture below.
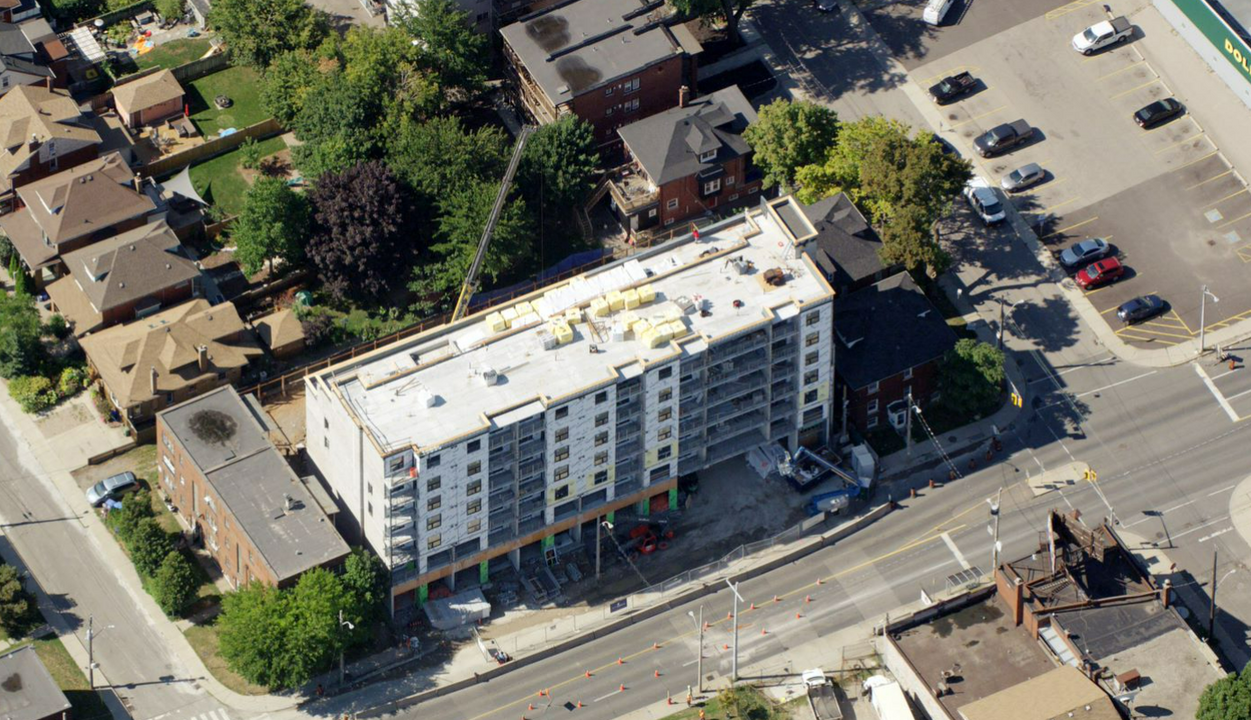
(1214, 215)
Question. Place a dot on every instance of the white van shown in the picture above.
(936, 11)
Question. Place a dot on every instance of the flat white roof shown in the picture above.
(428, 391)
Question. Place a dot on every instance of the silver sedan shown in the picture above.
(1023, 178)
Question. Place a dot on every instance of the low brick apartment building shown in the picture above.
(610, 62)
(228, 481)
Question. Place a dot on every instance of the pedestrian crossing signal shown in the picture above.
(1091, 475)
(1017, 400)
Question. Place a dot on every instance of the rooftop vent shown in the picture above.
(489, 376)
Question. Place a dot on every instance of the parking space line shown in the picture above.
(1244, 253)
(978, 117)
(1158, 323)
(1148, 339)
(1235, 397)
(1115, 72)
(1053, 207)
(1181, 142)
(1185, 324)
(1139, 87)
(1229, 410)
(1196, 160)
(1232, 194)
(1105, 312)
(1231, 222)
(1151, 331)
(953, 71)
(1205, 182)
(1069, 8)
(1070, 227)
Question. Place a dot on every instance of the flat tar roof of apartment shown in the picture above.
(227, 438)
(429, 391)
(578, 45)
(978, 644)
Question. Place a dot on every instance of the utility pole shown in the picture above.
(737, 599)
(994, 512)
(1203, 306)
(1212, 607)
(1001, 314)
(342, 668)
(699, 667)
(908, 423)
(597, 540)
(91, 655)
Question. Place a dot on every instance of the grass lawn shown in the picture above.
(173, 53)
(86, 702)
(753, 705)
(218, 180)
(240, 84)
(204, 640)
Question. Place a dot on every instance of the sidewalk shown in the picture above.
(68, 451)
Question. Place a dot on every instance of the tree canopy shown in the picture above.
(728, 11)
(174, 584)
(362, 242)
(258, 31)
(439, 156)
(286, 83)
(559, 163)
(448, 44)
(21, 352)
(1227, 699)
(789, 135)
(971, 376)
(273, 225)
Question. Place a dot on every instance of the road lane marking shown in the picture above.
(1216, 534)
(1114, 307)
(1197, 528)
(1117, 72)
(951, 545)
(1222, 490)
(605, 697)
(1094, 363)
(1150, 332)
(1229, 410)
(1138, 87)
(978, 117)
(1217, 177)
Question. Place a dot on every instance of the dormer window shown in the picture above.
(708, 156)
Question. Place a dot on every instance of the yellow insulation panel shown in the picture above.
(646, 293)
(599, 307)
(631, 298)
(496, 322)
(615, 300)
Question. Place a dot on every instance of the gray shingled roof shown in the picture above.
(27, 690)
(254, 481)
(573, 47)
(131, 266)
(668, 144)
(18, 54)
(887, 328)
(846, 246)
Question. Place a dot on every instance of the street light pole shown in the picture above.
(1203, 306)
(91, 655)
(343, 650)
(994, 549)
(734, 662)
(699, 667)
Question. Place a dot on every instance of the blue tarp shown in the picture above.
(573, 261)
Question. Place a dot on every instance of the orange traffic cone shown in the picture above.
(763, 631)
(753, 606)
(579, 703)
(620, 661)
(777, 599)
(622, 688)
(588, 673)
(729, 616)
(726, 646)
(820, 581)
(798, 616)
(656, 674)
(655, 646)
(531, 707)
(807, 599)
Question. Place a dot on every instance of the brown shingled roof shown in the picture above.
(148, 91)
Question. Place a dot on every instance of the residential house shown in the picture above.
(685, 162)
(12, 11)
(890, 341)
(159, 361)
(75, 208)
(43, 132)
(610, 62)
(1076, 628)
(50, 51)
(227, 480)
(128, 276)
(27, 690)
(148, 100)
(847, 248)
(281, 333)
(19, 62)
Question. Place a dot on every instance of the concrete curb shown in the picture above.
(805, 548)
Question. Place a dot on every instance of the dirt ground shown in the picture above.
(69, 415)
(141, 461)
(277, 165)
(288, 413)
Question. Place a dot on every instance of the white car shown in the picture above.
(984, 201)
(1102, 34)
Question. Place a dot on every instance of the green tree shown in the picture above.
(134, 510)
(56, 327)
(254, 629)
(1227, 699)
(17, 607)
(559, 164)
(365, 577)
(970, 376)
(286, 83)
(170, 9)
(318, 600)
(174, 584)
(250, 154)
(789, 135)
(33, 393)
(7, 251)
(21, 352)
(149, 544)
(273, 225)
(463, 215)
(335, 125)
(728, 11)
(448, 45)
(908, 240)
(21, 281)
(440, 156)
(258, 31)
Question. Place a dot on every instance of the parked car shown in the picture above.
(984, 201)
(1003, 138)
(1099, 273)
(111, 488)
(935, 11)
(1158, 113)
(1102, 34)
(1023, 178)
(951, 88)
(1084, 252)
(1140, 308)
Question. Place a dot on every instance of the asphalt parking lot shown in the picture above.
(1178, 215)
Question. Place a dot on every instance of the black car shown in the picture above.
(951, 88)
(1158, 113)
(1140, 308)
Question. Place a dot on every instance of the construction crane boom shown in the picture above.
(471, 279)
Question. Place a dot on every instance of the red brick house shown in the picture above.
(685, 162)
(890, 339)
(43, 132)
(125, 277)
(610, 62)
(227, 481)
